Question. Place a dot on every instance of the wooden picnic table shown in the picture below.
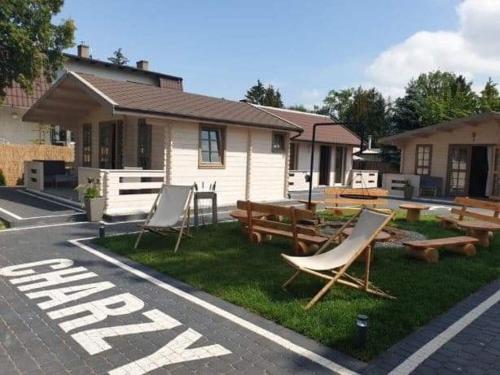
(479, 229)
(381, 236)
(413, 211)
(243, 215)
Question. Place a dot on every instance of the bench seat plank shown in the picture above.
(439, 242)
(428, 249)
(318, 240)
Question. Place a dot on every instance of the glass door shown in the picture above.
(110, 145)
(340, 156)
(458, 169)
(496, 175)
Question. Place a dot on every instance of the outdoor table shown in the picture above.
(381, 236)
(243, 215)
(480, 230)
(413, 211)
(205, 195)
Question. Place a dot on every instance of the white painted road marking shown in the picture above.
(93, 340)
(287, 344)
(413, 361)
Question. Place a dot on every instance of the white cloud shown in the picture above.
(312, 97)
(473, 50)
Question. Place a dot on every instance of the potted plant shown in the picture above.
(92, 199)
(407, 190)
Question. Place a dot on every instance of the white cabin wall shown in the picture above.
(230, 180)
(267, 169)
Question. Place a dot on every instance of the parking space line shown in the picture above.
(413, 361)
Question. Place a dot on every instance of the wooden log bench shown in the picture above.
(428, 249)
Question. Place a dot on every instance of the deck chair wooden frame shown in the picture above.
(163, 231)
(340, 275)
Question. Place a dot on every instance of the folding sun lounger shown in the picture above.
(333, 264)
(172, 203)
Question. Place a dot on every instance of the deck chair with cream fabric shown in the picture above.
(332, 265)
(172, 203)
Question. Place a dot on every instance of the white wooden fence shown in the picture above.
(131, 191)
(364, 179)
(297, 180)
(33, 175)
(394, 182)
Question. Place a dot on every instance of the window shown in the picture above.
(294, 157)
(278, 146)
(211, 146)
(144, 141)
(423, 160)
(87, 145)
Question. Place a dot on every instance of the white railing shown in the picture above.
(364, 179)
(33, 175)
(394, 182)
(131, 191)
(126, 191)
(297, 180)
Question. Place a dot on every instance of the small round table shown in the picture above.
(381, 236)
(480, 230)
(413, 211)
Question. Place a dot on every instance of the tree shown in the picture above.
(30, 45)
(118, 58)
(432, 98)
(363, 110)
(490, 98)
(299, 107)
(269, 96)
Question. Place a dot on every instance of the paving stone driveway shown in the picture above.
(73, 311)
(78, 310)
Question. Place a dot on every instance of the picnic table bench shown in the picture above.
(263, 221)
(428, 249)
(459, 214)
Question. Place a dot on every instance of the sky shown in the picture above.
(304, 48)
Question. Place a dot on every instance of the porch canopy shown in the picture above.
(75, 95)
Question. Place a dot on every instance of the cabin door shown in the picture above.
(458, 170)
(325, 157)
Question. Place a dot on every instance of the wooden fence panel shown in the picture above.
(12, 158)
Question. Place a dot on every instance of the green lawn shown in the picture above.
(220, 261)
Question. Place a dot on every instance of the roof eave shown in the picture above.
(125, 110)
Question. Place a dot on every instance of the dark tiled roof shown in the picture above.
(443, 126)
(329, 134)
(135, 97)
(17, 97)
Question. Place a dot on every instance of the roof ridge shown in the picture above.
(290, 110)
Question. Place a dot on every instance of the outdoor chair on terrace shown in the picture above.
(172, 203)
(333, 264)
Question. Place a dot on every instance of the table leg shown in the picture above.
(412, 215)
(214, 209)
(482, 236)
(196, 213)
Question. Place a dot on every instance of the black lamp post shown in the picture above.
(311, 167)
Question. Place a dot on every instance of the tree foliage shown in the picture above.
(432, 98)
(363, 110)
(269, 96)
(30, 45)
(490, 98)
(118, 57)
(299, 107)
